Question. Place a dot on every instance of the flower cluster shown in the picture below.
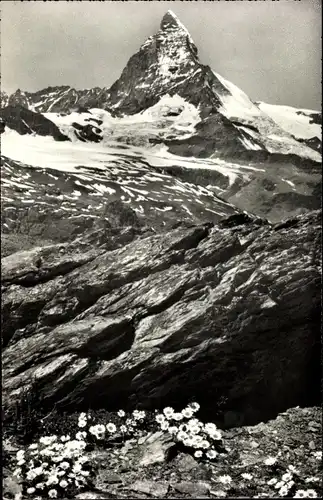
(196, 436)
(288, 481)
(305, 494)
(284, 485)
(101, 431)
(53, 467)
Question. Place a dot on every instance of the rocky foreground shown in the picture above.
(286, 450)
(227, 313)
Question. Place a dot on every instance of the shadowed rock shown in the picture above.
(25, 121)
(199, 312)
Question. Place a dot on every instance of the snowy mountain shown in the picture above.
(171, 139)
(304, 124)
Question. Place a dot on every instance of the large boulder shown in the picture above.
(209, 313)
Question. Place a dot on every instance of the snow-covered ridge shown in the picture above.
(172, 116)
(300, 123)
(275, 127)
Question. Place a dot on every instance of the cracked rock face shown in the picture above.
(203, 312)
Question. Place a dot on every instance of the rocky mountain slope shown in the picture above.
(40, 199)
(205, 312)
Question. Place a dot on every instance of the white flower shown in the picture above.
(100, 428)
(82, 423)
(287, 477)
(311, 494)
(168, 412)
(173, 429)
(217, 436)
(280, 484)
(272, 481)
(160, 418)
(194, 430)
(164, 425)
(82, 416)
(17, 472)
(187, 412)
(61, 473)
(129, 422)
(38, 471)
(195, 406)
(75, 445)
(210, 428)
(138, 415)
(52, 493)
(283, 491)
(111, 427)
(198, 454)
(247, 476)
(63, 483)
(300, 494)
(212, 431)
(197, 441)
(225, 479)
(290, 484)
(270, 461)
(65, 438)
(293, 469)
(205, 444)
(31, 490)
(177, 416)
(21, 462)
(58, 458)
(123, 428)
(181, 435)
(30, 475)
(81, 435)
(188, 442)
(121, 413)
(40, 486)
(318, 456)
(77, 467)
(312, 479)
(33, 446)
(85, 473)
(52, 480)
(92, 430)
(211, 454)
(194, 422)
(20, 454)
(48, 440)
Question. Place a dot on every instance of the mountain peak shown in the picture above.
(171, 20)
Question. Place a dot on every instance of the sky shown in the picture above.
(270, 49)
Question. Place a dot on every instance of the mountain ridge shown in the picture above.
(170, 112)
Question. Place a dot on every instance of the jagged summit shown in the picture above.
(171, 20)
